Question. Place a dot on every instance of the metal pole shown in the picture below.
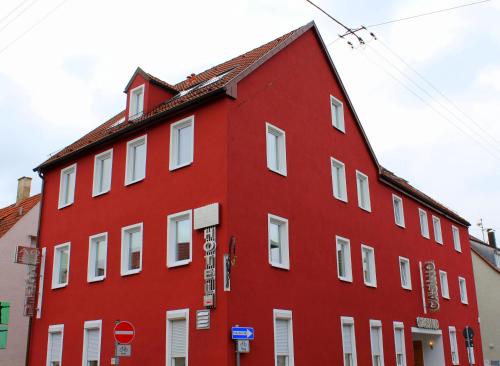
(117, 359)
(237, 356)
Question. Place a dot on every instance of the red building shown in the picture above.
(333, 259)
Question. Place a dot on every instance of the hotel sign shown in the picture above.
(31, 257)
(431, 288)
(427, 323)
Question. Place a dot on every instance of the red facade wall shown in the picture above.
(292, 91)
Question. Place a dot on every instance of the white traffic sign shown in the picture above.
(123, 350)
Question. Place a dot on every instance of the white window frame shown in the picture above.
(470, 355)
(456, 238)
(285, 250)
(377, 324)
(98, 175)
(56, 328)
(174, 143)
(349, 320)
(56, 263)
(286, 315)
(438, 232)
(339, 193)
(171, 237)
(373, 274)
(496, 256)
(399, 209)
(408, 273)
(464, 298)
(347, 259)
(91, 324)
(424, 229)
(132, 102)
(367, 206)
(171, 316)
(91, 259)
(64, 188)
(337, 106)
(129, 160)
(453, 345)
(400, 325)
(445, 289)
(280, 149)
(124, 271)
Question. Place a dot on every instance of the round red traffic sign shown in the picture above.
(124, 332)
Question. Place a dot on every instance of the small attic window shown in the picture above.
(205, 83)
(119, 122)
(136, 102)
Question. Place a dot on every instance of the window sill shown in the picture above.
(439, 242)
(97, 194)
(280, 266)
(128, 183)
(446, 298)
(96, 279)
(406, 288)
(426, 237)
(131, 272)
(65, 205)
(458, 250)
(338, 128)
(280, 172)
(402, 226)
(135, 116)
(465, 303)
(56, 286)
(175, 167)
(345, 279)
(372, 285)
(341, 199)
(179, 263)
(366, 209)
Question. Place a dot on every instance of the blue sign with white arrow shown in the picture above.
(242, 333)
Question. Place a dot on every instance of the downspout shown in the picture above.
(28, 341)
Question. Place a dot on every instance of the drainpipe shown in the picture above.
(28, 341)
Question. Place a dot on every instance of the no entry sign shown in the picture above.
(124, 332)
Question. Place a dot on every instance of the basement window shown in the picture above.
(136, 102)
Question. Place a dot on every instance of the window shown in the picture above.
(438, 235)
(348, 341)
(363, 191)
(136, 103)
(344, 269)
(339, 180)
(497, 259)
(399, 341)
(283, 338)
(179, 239)
(404, 272)
(177, 337)
(276, 149)
(102, 173)
(60, 269)
(131, 249)
(98, 246)
(278, 242)
(376, 343)
(368, 261)
(92, 343)
(181, 143)
(399, 216)
(463, 290)
(55, 345)
(453, 345)
(337, 114)
(136, 160)
(4, 322)
(67, 186)
(443, 280)
(456, 239)
(424, 224)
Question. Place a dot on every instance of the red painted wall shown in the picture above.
(142, 298)
(291, 91)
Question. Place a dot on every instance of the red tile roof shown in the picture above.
(11, 214)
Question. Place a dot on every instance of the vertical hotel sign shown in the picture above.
(207, 218)
(30, 257)
(430, 284)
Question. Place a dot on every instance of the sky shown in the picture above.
(427, 90)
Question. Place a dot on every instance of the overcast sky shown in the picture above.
(67, 75)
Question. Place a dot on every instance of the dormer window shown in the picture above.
(136, 103)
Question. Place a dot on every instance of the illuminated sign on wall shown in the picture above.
(431, 288)
(427, 323)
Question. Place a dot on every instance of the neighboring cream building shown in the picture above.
(18, 226)
(486, 264)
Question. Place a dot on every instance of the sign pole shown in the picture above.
(117, 358)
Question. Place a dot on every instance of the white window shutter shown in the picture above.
(399, 341)
(347, 339)
(375, 337)
(178, 334)
(92, 344)
(55, 346)
(281, 337)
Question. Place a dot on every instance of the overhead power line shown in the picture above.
(13, 10)
(425, 14)
(18, 15)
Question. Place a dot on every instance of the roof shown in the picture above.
(403, 184)
(11, 214)
(485, 251)
(197, 89)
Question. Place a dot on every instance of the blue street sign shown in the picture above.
(246, 333)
